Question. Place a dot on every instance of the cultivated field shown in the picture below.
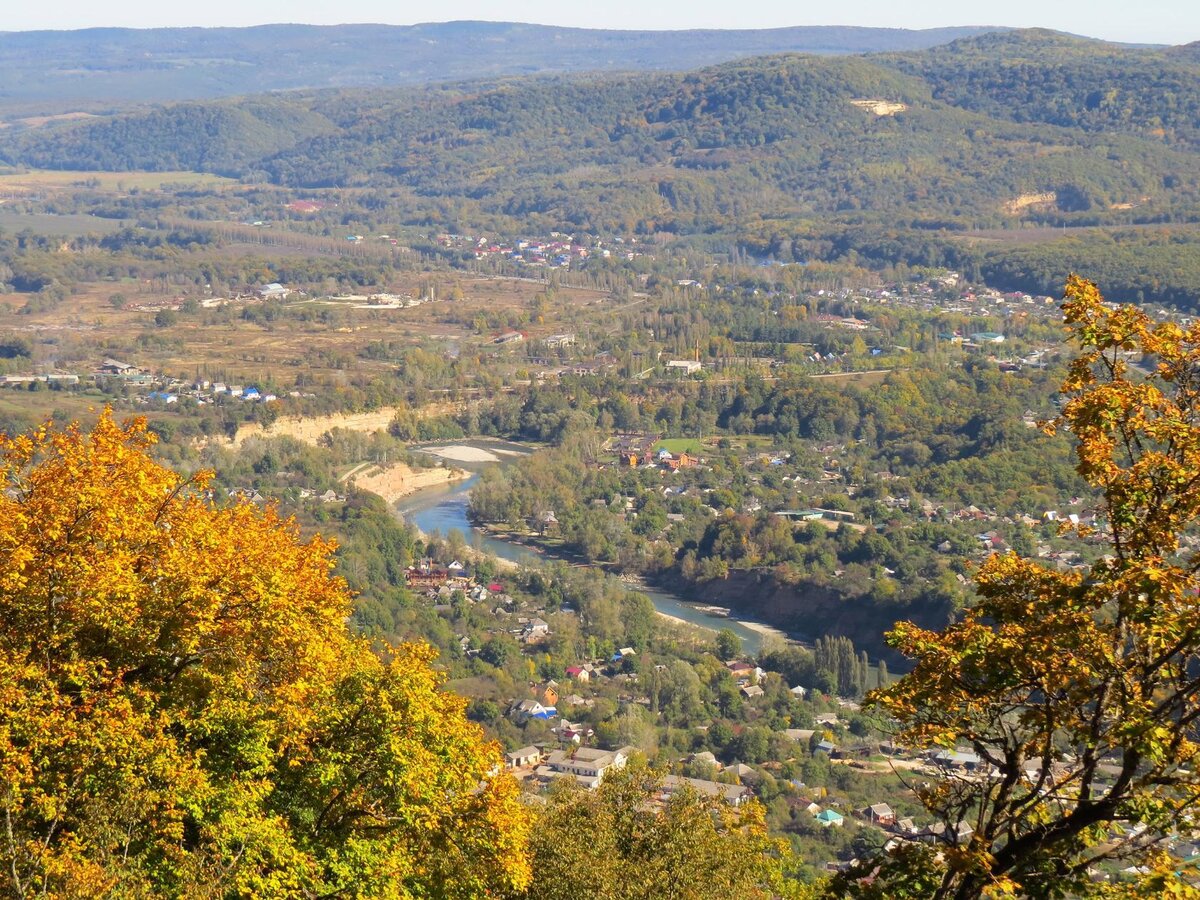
(14, 181)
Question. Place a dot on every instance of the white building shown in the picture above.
(587, 764)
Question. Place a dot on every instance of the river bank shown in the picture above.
(463, 453)
(754, 634)
(395, 481)
(768, 633)
(309, 429)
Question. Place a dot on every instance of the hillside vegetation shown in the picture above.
(1023, 126)
(947, 157)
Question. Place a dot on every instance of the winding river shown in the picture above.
(444, 507)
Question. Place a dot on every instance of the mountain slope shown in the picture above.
(1042, 76)
(787, 138)
(225, 138)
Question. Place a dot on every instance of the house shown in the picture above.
(546, 522)
(804, 515)
(573, 732)
(535, 630)
(116, 367)
(633, 448)
(739, 669)
(547, 693)
(905, 827)
(422, 576)
(957, 759)
(686, 366)
(530, 709)
(526, 757)
(880, 814)
(992, 540)
(798, 692)
(826, 747)
(828, 719)
(578, 673)
(831, 819)
(52, 377)
(273, 291)
(799, 735)
(733, 794)
(751, 691)
(938, 833)
(587, 765)
(509, 337)
(742, 772)
(681, 461)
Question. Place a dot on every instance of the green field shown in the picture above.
(680, 445)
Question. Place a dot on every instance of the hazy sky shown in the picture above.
(1151, 21)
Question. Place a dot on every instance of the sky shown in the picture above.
(1145, 21)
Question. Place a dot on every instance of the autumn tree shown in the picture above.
(616, 843)
(1079, 690)
(184, 712)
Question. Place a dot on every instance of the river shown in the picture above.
(444, 507)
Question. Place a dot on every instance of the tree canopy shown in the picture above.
(1078, 690)
(613, 843)
(184, 711)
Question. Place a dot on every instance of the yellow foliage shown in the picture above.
(1079, 690)
(184, 712)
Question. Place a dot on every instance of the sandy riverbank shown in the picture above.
(398, 480)
(675, 620)
(767, 631)
(374, 487)
(463, 453)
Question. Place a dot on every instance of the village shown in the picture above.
(827, 772)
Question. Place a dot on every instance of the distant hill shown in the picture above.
(1045, 76)
(984, 132)
(56, 71)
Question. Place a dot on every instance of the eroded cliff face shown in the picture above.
(807, 610)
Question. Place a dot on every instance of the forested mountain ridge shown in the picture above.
(1044, 76)
(52, 71)
(787, 138)
(212, 137)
